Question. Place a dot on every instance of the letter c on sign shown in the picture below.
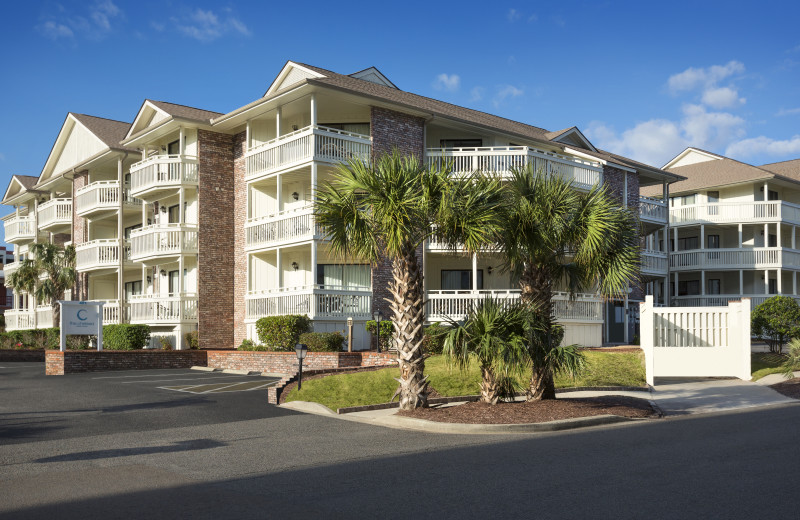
(82, 314)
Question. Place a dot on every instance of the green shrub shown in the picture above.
(281, 333)
(125, 336)
(165, 342)
(192, 339)
(433, 338)
(248, 344)
(322, 341)
(387, 327)
(776, 321)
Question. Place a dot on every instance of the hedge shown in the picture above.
(125, 336)
(282, 333)
(192, 339)
(386, 332)
(433, 338)
(322, 341)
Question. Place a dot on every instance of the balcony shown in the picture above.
(735, 213)
(455, 305)
(55, 215)
(97, 255)
(721, 300)
(316, 301)
(19, 229)
(317, 143)
(9, 269)
(652, 211)
(161, 243)
(155, 310)
(152, 178)
(20, 319)
(501, 159)
(282, 228)
(44, 317)
(103, 198)
(720, 259)
(654, 263)
(112, 314)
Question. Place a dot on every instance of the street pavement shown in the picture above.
(80, 447)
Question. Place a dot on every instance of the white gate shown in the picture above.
(696, 341)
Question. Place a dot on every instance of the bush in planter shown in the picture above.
(125, 336)
(322, 341)
(192, 339)
(386, 332)
(433, 338)
(776, 321)
(282, 333)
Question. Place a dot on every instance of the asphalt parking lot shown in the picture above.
(39, 407)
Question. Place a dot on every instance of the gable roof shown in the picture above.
(185, 112)
(154, 113)
(109, 131)
(19, 184)
(787, 168)
(712, 174)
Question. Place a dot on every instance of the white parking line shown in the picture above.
(145, 375)
(271, 383)
(202, 378)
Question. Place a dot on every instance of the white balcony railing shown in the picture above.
(163, 240)
(20, 319)
(19, 229)
(318, 143)
(501, 159)
(652, 210)
(736, 212)
(102, 196)
(721, 300)
(9, 269)
(112, 314)
(286, 226)
(162, 172)
(55, 213)
(755, 258)
(151, 309)
(44, 317)
(316, 301)
(100, 254)
(654, 263)
(455, 305)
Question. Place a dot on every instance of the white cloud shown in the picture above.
(207, 26)
(55, 30)
(94, 23)
(788, 112)
(513, 15)
(532, 18)
(2, 157)
(102, 14)
(692, 78)
(505, 92)
(763, 146)
(447, 82)
(476, 94)
(723, 97)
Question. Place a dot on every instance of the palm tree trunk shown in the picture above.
(407, 306)
(536, 286)
(490, 390)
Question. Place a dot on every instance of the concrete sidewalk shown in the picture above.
(683, 396)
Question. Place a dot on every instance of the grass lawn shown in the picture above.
(765, 363)
(340, 391)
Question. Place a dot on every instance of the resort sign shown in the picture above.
(81, 319)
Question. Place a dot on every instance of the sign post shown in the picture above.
(81, 319)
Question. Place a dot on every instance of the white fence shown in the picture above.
(696, 341)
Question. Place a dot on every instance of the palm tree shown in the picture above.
(386, 209)
(558, 236)
(497, 339)
(47, 275)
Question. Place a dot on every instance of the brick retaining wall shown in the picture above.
(10, 355)
(286, 362)
(58, 363)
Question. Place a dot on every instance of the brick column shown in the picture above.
(239, 256)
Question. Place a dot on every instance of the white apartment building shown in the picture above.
(733, 230)
(212, 226)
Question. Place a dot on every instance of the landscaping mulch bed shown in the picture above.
(789, 388)
(536, 411)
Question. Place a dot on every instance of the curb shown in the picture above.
(240, 372)
(203, 369)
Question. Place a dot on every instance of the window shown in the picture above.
(461, 143)
(688, 200)
(687, 243)
(773, 241)
(772, 195)
(713, 241)
(353, 277)
(713, 197)
(460, 280)
(773, 286)
(173, 281)
(714, 286)
(174, 214)
(128, 230)
(132, 288)
(688, 288)
(174, 148)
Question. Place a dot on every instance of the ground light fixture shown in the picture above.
(378, 319)
(301, 349)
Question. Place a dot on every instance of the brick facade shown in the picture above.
(239, 256)
(59, 363)
(215, 221)
(286, 362)
(393, 130)
(79, 236)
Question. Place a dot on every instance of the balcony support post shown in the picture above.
(675, 282)
(740, 235)
(778, 233)
(779, 271)
(120, 241)
(702, 236)
(181, 199)
(279, 267)
(474, 273)
(766, 235)
(766, 281)
(794, 283)
(313, 110)
(794, 232)
(278, 195)
(702, 283)
(313, 181)
(313, 265)
(278, 122)
(741, 281)
(675, 233)
(766, 191)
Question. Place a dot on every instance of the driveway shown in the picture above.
(682, 396)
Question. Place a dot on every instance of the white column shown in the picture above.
(794, 283)
(280, 267)
(740, 235)
(474, 271)
(121, 242)
(675, 233)
(278, 122)
(741, 282)
(766, 235)
(313, 262)
(780, 282)
(794, 230)
(778, 233)
(625, 337)
(182, 141)
(766, 190)
(313, 110)
(703, 283)
(247, 135)
(181, 199)
(313, 181)
(766, 281)
(702, 236)
(279, 195)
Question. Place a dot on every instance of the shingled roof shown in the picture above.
(711, 174)
(785, 168)
(109, 131)
(182, 111)
(27, 181)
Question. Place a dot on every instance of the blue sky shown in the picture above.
(644, 79)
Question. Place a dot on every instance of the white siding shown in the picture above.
(80, 145)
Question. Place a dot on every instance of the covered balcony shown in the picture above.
(735, 258)
(721, 300)
(102, 198)
(114, 313)
(161, 243)
(172, 309)
(9, 269)
(19, 229)
(317, 301)
(501, 159)
(286, 227)
(312, 143)
(654, 263)
(158, 175)
(653, 213)
(44, 317)
(99, 255)
(20, 319)
(55, 215)
(735, 212)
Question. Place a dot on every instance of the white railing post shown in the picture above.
(743, 324)
(646, 335)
